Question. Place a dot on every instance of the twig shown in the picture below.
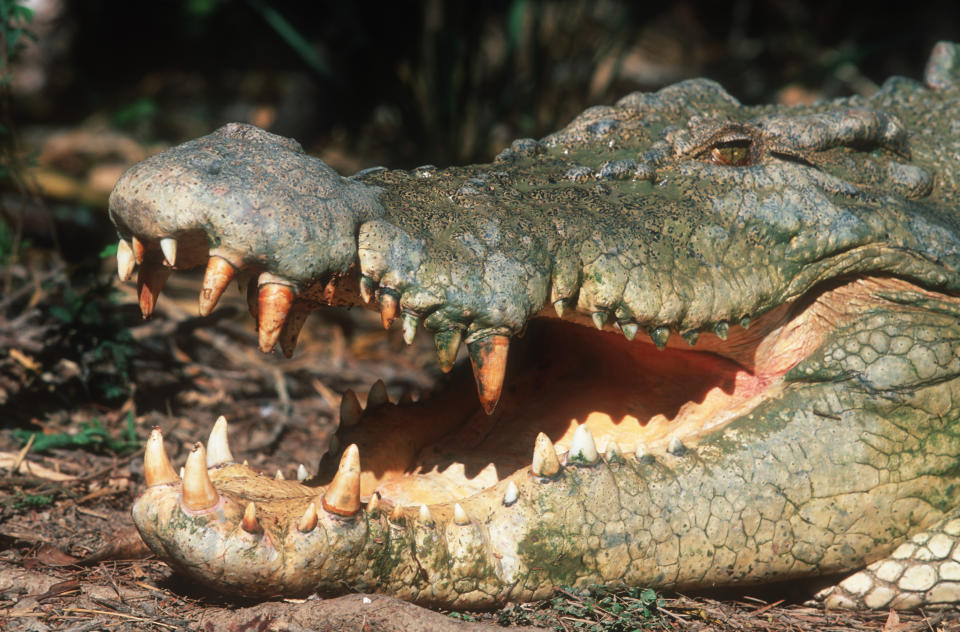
(118, 614)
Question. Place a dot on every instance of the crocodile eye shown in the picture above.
(731, 154)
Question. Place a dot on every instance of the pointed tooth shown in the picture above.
(291, 328)
(168, 245)
(138, 249)
(342, 497)
(745, 322)
(198, 490)
(660, 336)
(447, 343)
(377, 396)
(182, 470)
(396, 515)
(460, 516)
(410, 323)
(642, 455)
(545, 461)
(274, 303)
(150, 280)
(721, 329)
(424, 514)
(280, 476)
(125, 260)
(599, 319)
(250, 523)
(629, 330)
(302, 473)
(216, 278)
(560, 306)
(373, 505)
(367, 287)
(510, 495)
(308, 521)
(489, 359)
(388, 307)
(350, 409)
(330, 289)
(582, 447)
(676, 447)
(690, 336)
(156, 465)
(218, 445)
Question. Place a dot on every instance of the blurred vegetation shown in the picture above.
(437, 81)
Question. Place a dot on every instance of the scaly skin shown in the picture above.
(838, 221)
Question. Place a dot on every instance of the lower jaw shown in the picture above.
(644, 513)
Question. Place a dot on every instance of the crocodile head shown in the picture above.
(740, 360)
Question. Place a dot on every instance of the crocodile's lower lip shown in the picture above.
(444, 466)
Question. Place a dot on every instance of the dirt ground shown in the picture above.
(79, 367)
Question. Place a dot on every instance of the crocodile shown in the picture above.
(733, 336)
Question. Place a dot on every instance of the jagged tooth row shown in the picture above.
(605, 287)
(341, 498)
(271, 299)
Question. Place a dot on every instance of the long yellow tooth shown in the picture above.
(150, 280)
(156, 464)
(138, 249)
(217, 277)
(373, 505)
(250, 523)
(350, 409)
(489, 359)
(198, 490)
(343, 495)
(218, 445)
(378, 395)
(308, 521)
(125, 260)
(447, 343)
(545, 461)
(274, 303)
(168, 245)
(388, 307)
(291, 329)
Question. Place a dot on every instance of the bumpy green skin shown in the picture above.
(621, 213)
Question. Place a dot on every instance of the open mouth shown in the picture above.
(571, 395)
(565, 377)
